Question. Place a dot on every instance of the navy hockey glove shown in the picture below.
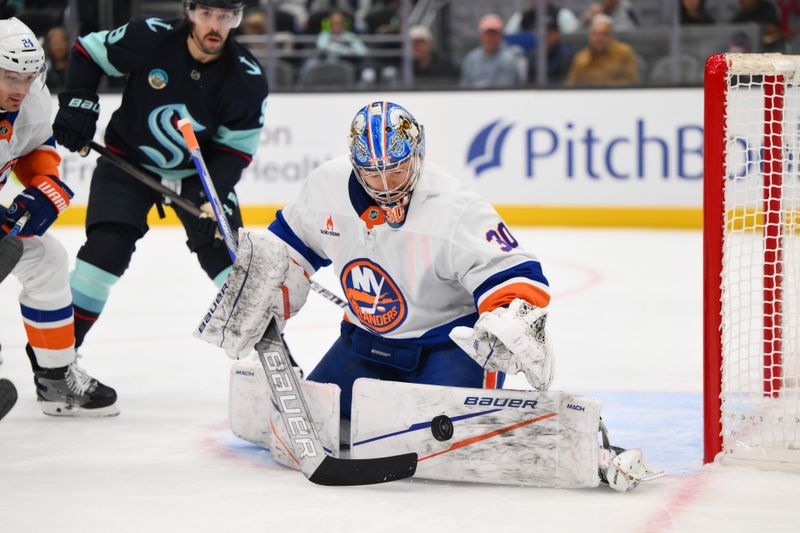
(76, 119)
(44, 200)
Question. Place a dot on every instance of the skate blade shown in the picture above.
(64, 409)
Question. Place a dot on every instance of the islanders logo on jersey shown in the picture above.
(373, 296)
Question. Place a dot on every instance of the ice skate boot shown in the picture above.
(622, 469)
(70, 391)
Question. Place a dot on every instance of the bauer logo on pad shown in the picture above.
(373, 296)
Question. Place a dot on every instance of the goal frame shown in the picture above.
(714, 223)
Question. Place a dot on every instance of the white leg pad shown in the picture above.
(253, 418)
(544, 439)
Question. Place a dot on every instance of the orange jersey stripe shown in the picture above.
(59, 338)
(529, 293)
(37, 163)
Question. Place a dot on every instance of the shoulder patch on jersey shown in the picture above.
(252, 66)
(155, 24)
(6, 130)
(373, 296)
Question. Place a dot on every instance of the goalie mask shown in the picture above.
(21, 56)
(387, 150)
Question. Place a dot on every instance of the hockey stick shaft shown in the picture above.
(285, 389)
(11, 249)
(19, 225)
(185, 125)
(146, 178)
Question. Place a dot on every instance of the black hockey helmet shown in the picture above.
(235, 5)
(222, 4)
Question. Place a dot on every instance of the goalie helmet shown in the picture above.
(20, 50)
(384, 138)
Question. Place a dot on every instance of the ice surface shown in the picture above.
(626, 325)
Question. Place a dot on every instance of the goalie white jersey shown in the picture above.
(452, 258)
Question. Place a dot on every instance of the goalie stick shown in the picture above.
(315, 464)
(8, 397)
(178, 200)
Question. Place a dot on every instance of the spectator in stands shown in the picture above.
(621, 13)
(381, 16)
(297, 9)
(430, 68)
(606, 61)
(559, 56)
(566, 20)
(254, 25)
(491, 64)
(9, 8)
(694, 12)
(336, 40)
(764, 13)
(56, 48)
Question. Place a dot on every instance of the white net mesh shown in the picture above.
(761, 262)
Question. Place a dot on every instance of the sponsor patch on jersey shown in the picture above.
(158, 79)
(6, 130)
(373, 296)
(329, 229)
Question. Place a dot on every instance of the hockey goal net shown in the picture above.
(752, 260)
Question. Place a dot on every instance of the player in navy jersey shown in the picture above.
(175, 69)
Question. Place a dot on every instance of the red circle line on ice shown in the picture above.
(373, 296)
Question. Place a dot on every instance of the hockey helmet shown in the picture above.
(384, 138)
(237, 6)
(20, 50)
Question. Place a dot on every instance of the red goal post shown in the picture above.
(752, 260)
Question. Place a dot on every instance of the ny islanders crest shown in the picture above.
(373, 296)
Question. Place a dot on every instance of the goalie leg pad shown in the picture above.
(263, 281)
(545, 439)
(253, 418)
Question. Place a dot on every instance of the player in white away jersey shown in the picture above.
(27, 148)
(417, 253)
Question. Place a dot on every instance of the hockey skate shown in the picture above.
(70, 391)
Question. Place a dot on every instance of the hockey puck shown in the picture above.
(8, 396)
(442, 428)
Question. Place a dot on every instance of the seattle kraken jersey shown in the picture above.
(225, 98)
(454, 256)
(26, 138)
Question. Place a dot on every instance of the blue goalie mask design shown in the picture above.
(387, 149)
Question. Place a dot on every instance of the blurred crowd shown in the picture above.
(360, 43)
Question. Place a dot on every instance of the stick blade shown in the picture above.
(8, 397)
(350, 472)
(10, 254)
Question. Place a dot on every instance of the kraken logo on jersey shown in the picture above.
(373, 296)
(163, 126)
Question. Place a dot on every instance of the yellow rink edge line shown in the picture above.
(514, 215)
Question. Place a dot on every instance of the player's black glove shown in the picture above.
(205, 229)
(76, 119)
